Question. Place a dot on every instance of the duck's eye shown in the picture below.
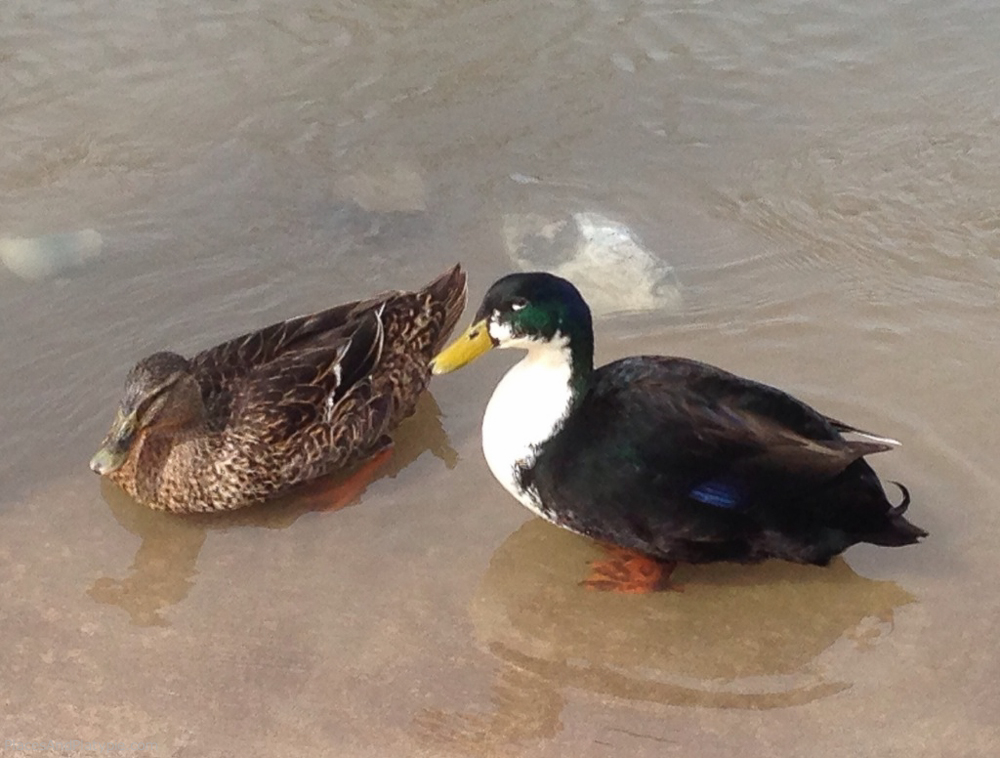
(518, 303)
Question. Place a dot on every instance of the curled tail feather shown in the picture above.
(900, 509)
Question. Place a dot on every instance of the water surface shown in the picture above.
(821, 175)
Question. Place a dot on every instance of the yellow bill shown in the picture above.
(473, 342)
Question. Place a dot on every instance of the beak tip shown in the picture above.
(102, 464)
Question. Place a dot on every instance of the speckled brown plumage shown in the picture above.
(248, 419)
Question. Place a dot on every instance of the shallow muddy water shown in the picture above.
(822, 177)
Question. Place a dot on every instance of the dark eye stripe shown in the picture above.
(141, 408)
(151, 398)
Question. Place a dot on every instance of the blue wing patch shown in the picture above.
(718, 494)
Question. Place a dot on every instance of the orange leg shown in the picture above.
(629, 572)
(343, 493)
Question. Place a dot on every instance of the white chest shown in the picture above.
(527, 407)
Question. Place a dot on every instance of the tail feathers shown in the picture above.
(896, 530)
(450, 292)
(852, 509)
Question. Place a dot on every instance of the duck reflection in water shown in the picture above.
(745, 637)
(165, 564)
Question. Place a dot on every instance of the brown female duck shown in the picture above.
(248, 419)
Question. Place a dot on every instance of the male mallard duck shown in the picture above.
(248, 419)
(664, 457)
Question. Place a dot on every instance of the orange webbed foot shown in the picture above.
(328, 498)
(629, 572)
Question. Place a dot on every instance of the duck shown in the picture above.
(245, 421)
(665, 459)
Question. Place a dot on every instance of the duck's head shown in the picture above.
(531, 311)
(160, 394)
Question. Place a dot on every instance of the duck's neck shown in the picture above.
(530, 405)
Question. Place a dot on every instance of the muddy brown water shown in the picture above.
(823, 177)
